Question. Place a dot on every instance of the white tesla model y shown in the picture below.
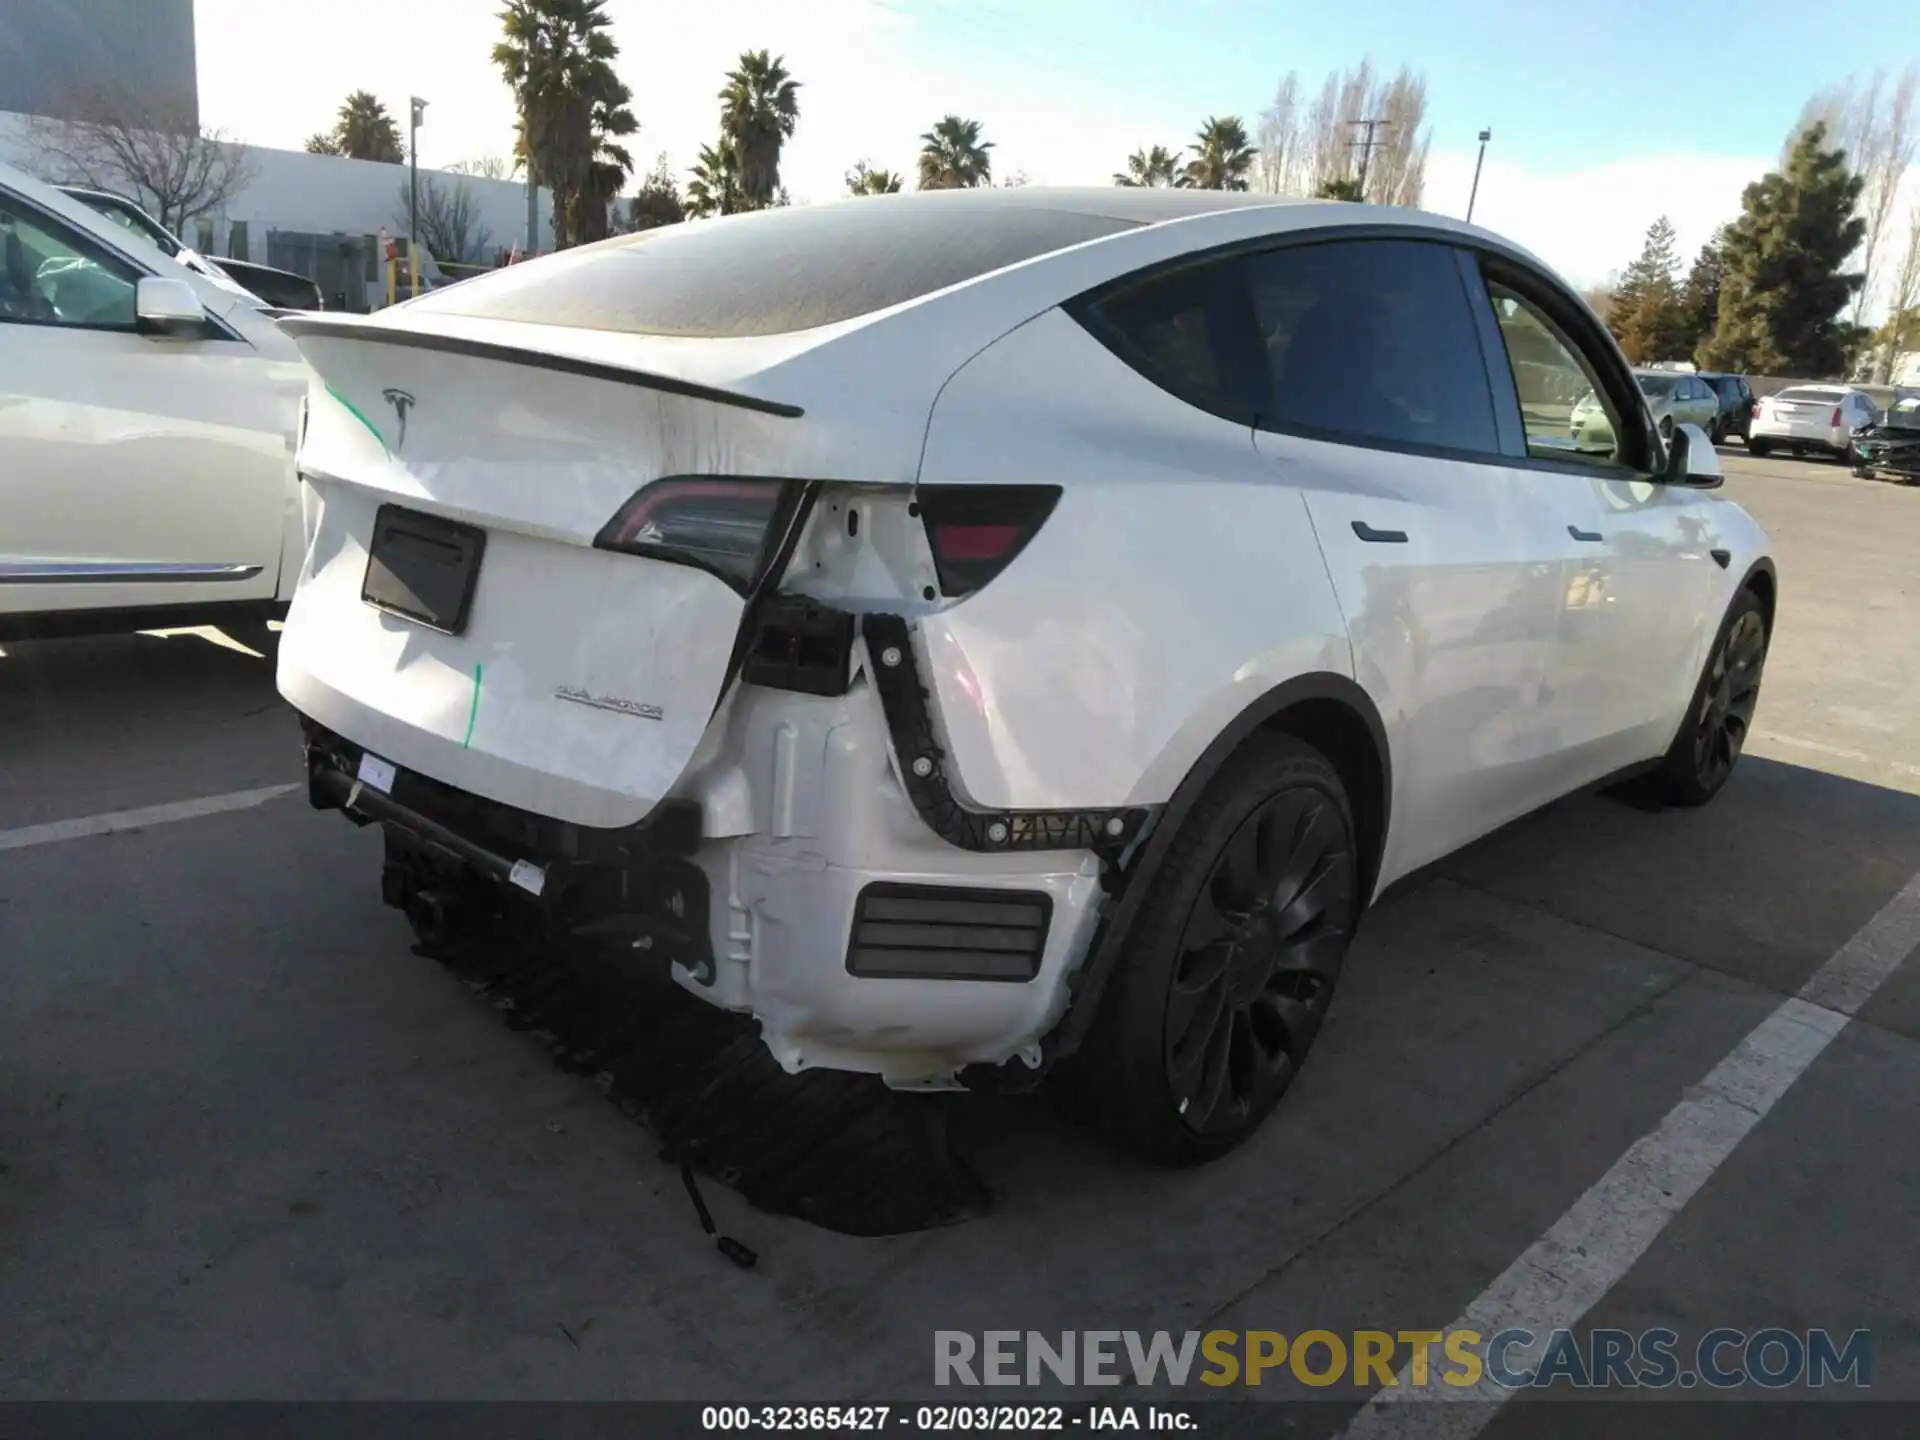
(967, 630)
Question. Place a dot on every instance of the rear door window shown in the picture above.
(1371, 341)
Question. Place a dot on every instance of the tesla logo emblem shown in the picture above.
(402, 402)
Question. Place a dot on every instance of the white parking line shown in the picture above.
(1567, 1271)
(57, 830)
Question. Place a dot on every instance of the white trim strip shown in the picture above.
(1567, 1271)
(56, 830)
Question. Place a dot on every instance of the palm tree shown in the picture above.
(557, 57)
(606, 172)
(863, 179)
(1222, 155)
(363, 130)
(954, 157)
(715, 186)
(1158, 168)
(759, 107)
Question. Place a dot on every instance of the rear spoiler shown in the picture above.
(299, 324)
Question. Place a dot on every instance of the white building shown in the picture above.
(319, 215)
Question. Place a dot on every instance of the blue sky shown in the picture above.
(1555, 83)
(1600, 126)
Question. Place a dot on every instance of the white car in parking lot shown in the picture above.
(968, 631)
(147, 426)
(1810, 417)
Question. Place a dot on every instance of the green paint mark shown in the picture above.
(354, 410)
(473, 711)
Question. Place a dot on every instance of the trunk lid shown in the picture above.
(576, 682)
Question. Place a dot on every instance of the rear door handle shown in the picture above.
(1588, 535)
(1379, 537)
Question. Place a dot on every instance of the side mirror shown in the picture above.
(165, 306)
(1691, 459)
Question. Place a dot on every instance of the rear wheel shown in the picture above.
(1225, 977)
(1721, 716)
(1666, 428)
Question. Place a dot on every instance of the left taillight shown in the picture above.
(975, 531)
(728, 527)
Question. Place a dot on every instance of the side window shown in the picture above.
(1563, 406)
(50, 276)
(1371, 340)
(1190, 333)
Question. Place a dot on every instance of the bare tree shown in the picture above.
(449, 220)
(1314, 148)
(1281, 166)
(1877, 125)
(486, 167)
(1903, 297)
(177, 171)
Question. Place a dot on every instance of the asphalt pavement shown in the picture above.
(251, 1147)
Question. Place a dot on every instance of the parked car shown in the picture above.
(1677, 398)
(1736, 404)
(1810, 417)
(279, 289)
(1890, 445)
(147, 423)
(919, 657)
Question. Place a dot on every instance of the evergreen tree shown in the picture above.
(1700, 296)
(1645, 315)
(1783, 287)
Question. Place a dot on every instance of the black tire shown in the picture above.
(1226, 974)
(1666, 428)
(1718, 435)
(1759, 449)
(1720, 717)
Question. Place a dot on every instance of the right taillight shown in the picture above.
(727, 527)
(975, 531)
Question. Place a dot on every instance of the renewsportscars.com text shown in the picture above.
(1602, 1359)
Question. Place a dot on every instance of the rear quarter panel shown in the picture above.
(1177, 581)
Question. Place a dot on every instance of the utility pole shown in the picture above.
(413, 178)
(1367, 147)
(533, 208)
(1474, 194)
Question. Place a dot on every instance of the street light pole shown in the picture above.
(1474, 194)
(413, 179)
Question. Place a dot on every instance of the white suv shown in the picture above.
(966, 629)
(147, 428)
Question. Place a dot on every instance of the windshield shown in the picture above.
(1658, 386)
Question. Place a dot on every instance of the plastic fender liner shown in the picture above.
(896, 675)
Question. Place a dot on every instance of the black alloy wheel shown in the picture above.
(1733, 690)
(1227, 967)
(1720, 719)
(1258, 961)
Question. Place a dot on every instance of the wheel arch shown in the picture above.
(1325, 709)
(1762, 579)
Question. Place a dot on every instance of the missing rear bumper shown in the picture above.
(635, 888)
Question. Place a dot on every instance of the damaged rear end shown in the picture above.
(637, 648)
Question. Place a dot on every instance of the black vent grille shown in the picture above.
(925, 932)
